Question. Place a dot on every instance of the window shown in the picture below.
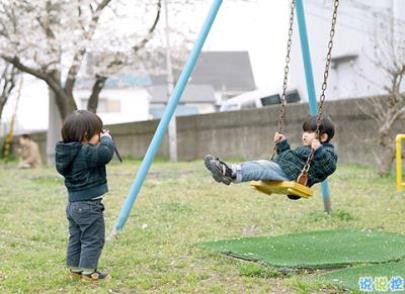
(271, 99)
(292, 96)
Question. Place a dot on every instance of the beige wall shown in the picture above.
(248, 134)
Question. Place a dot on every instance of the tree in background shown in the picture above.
(49, 39)
(8, 80)
(388, 57)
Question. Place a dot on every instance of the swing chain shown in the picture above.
(282, 111)
(286, 69)
(303, 177)
(327, 65)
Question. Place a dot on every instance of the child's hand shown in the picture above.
(315, 144)
(105, 133)
(278, 137)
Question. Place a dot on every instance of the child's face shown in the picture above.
(95, 139)
(308, 137)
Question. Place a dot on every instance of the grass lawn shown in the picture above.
(178, 206)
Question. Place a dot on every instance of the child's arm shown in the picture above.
(281, 143)
(100, 154)
(325, 160)
(282, 146)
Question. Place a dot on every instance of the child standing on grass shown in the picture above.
(81, 158)
(288, 163)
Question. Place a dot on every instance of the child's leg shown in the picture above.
(74, 245)
(264, 170)
(89, 216)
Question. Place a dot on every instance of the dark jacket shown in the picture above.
(292, 161)
(83, 166)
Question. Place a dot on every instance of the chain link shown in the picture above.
(324, 84)
(282, 111)
(286, 69)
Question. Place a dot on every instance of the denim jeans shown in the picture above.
(265, 170)
(86, 233)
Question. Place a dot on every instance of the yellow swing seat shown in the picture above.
(282, 187)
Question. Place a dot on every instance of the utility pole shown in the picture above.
(170, 85)
(54, 127)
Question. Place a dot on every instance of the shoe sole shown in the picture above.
(209, 162)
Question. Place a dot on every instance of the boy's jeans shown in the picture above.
(265, 170)
(87, 233)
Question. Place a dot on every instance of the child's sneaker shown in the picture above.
(221, 172)
(95, 276)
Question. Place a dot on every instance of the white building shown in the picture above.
(123, 98)
(362, 26)
(119, 102)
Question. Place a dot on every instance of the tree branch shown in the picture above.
(79, 55)
(149, 35)
(18, 64)
(98, 86)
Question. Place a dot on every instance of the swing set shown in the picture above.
(297, 189)
(294, 189)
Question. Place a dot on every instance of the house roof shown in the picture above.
(192, 94)
(229, 71)
(118, 81)
(224, 70)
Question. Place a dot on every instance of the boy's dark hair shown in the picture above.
(326, 126)
(26, 136)
(81, 125)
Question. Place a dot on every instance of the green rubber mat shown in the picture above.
(319, 249)
(387, 277)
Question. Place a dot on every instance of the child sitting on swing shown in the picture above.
(287, 164)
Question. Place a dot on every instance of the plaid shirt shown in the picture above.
(292, 161)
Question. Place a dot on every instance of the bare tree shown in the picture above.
(389, 58)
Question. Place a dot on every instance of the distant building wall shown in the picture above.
(248, 134)
(354, 71)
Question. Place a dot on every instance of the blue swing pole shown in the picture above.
(167, 115)
(309, 77)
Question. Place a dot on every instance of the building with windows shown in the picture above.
(366, 31)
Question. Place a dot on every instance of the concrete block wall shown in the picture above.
(248, 134)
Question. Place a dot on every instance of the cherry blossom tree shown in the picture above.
(8, 78)
(49, 39)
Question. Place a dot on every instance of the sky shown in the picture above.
(259, 27)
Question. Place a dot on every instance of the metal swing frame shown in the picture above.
(299, 188)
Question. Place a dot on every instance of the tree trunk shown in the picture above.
(3, 101)
(64, 100)
(8, 79)
(94, 97)
(386, 154)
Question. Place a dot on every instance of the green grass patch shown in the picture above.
(318, 249)
(178, 206)
(383, 277)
